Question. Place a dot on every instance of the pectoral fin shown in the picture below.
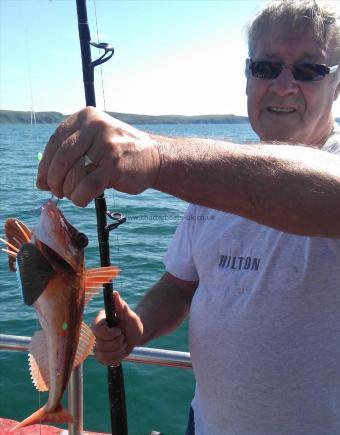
(38, 362)
(16, 233)
(34, 272)
(85, 345)
(38, 358)
(95, 278)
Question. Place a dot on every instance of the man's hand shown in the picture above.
(123, 157)
(113, 344)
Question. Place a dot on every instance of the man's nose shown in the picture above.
(284, 84)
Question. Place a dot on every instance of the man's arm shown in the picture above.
(165, 306)
(162, 310)
(290, 188)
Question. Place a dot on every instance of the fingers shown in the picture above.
(110, 347)
(65, 129)
(123, 157)
(113, 344)
(76, 173)
(82, 191)
(49, 152)
(121, 307)
(74, 177)
(67, 154)
(64, 153)
(62, 169)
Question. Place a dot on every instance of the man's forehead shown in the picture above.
(277, 42)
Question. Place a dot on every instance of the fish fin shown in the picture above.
(35, 272)
(95, 278)
(16, 233)
(38, 362)
(85, 344)
(59, 415)
(91, 291)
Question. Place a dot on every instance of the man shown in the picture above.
(262, 278)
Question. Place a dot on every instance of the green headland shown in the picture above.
(19, 117)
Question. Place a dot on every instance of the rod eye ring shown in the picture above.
(108, 53)
(102, 46)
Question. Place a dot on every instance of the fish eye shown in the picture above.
(80, 240)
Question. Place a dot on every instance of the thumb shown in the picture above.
(120, 305)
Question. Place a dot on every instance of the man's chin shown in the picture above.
(279, 134)
(282, 139)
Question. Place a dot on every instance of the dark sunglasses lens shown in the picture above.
(265, 70)
(309, 72)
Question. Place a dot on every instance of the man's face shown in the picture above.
(284, 109)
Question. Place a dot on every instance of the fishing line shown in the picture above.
(33, 146)
(116, 243)
(101, 68)
(33, 120)
(133, 376)
(115, 377)
(112, 193)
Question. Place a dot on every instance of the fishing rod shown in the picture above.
(115, 374)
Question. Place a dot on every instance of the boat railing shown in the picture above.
(142, 355)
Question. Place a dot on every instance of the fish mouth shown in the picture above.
(53, 256)
(280, 110)
(54, 231)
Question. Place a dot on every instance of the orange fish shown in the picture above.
(50, 265)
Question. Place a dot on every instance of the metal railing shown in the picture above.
(142, 355)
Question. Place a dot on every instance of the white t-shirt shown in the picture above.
(264, 328)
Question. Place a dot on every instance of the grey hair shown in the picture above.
(323, 17)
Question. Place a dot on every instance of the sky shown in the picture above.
(171, 56)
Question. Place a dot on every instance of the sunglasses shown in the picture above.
(303, 72)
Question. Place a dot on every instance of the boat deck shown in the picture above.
(36, 429)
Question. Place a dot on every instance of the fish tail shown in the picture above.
(59, 415)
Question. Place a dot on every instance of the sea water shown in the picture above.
(158, 398)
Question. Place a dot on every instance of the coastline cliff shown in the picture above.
(20, 117)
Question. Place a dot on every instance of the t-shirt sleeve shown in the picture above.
(178, 260)
(332, 144)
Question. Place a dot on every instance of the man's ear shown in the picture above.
(246, 72)
(337, 91)
(246, 68)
